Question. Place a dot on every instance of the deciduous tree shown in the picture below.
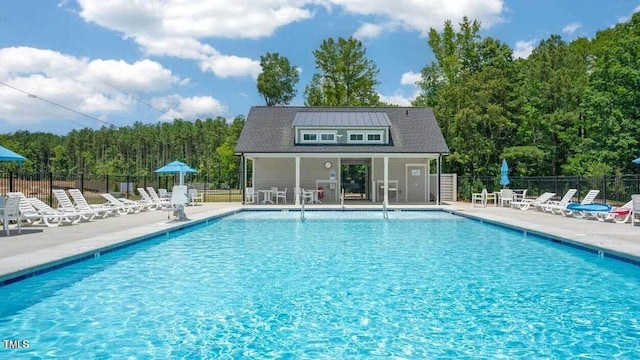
(346, 76)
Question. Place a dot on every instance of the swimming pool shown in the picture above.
(339, 284)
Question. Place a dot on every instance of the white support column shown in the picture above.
(244, 179)
(253, 172)
(339, 180)
(439, 166)
(386, 180)
(374, 186)
(428, 180)
(297, 189)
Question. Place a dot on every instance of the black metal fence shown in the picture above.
(41, 185)
(613, 189)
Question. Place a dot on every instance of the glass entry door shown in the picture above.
(355, 179)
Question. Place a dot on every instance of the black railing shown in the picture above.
(41, 185)
(613, 189)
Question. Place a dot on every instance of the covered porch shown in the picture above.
(334, 178)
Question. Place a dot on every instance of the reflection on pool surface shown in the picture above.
(339, 284)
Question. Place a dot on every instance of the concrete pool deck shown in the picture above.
(41, 247)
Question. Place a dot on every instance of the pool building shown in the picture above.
(382, 154)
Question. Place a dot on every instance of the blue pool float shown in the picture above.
(588, 207)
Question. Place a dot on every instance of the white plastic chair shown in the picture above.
(281, 194)
(480, 197)
(506, 197)
(250, 196)
(195, 197)
(305, 196)
(11, 212)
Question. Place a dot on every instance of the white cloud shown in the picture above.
(225, 66)
(368, 30)
(144, 75)
(178, 107)
(523, 49)
(571, 28)
(180, 28)
(423, 15)
(410, 78)
(622, 19)
(96, 87)
(396, 99)
(177, 27)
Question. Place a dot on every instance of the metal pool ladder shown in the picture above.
(384, 211)
(342, 198)
(302, 210)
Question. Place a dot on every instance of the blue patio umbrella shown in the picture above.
(8, 155)
(176, 167)
(504, 172)
(636, 161)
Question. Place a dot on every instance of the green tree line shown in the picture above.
(205, 145)
(567, 109)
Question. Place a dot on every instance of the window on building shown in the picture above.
(356, 137)
(309, 137)
(328, 137)
(374, 137)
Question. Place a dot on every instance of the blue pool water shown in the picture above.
(338, 285)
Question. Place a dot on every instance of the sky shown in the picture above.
(72, 64)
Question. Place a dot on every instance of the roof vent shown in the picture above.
(406, 113)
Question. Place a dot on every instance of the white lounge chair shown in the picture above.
(11, 212)
(620, 214)
(121, 206)
(588, 199)
(65, 204)
(155, 197)
(538, 202)
(46, 215)
(81, 203)
(151, 204)
(635, 209)
(553, 206)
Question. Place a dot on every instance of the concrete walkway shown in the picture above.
(39, 246)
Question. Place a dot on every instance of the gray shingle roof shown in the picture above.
(270, 130)
(341, 119)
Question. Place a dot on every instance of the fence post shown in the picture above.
(127, 185)
(10, 181)
(51, 189)
(82, 183)
(604, 188)
(107, 182)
